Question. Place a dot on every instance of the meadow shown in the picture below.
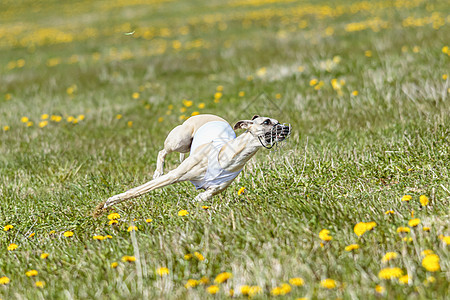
(355, 205)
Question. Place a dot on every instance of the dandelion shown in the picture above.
(222, 277)
(324, 235)
(8, 227)
(297, 281)
(218, 95)
(113, 216)
(426, 252)
(403, 229)
(351, 247)
(389, 256)
(42, 124)
(130, 123)
(24, 119)
(446, 239)
(241, 94)
(368, 53)
(148, 220)
(389, 212)
(413, 222)
(40, 284)
(183, 213)
(416, 49)
(379, 289)
(431, 263)
(205, 207)
(12, 247)
(44, 255)
(328, 283)
(44, 116)
(29, 124)
(313, 82)
(108, 236)
(212, 289)
(278, 96)
(119, 116)
(390, 273)
(254, 290)
(112, 222)
(162, 271)
(187, 103)
(99, 237)
(31, 273)
(204, 280)
(114, 265)
(187, 256)
(241, 191)
(183, 109)
(132, 228)
(407, 239)
(68, 234)
(355, 93)
(4, 280)
(424, 200)
(360, 228)
(201, 105)
(219, 88)
(8, 97)
(445, 50)
(245, 289)
(444, 76)
(32, 234)
(406, 198)
(191, 283)
(404, 279)
(81, 117)
(135, 95)
(127, 258)
(6, 128)
(199, 256)
(194, 113)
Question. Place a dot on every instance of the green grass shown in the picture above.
(350, 158)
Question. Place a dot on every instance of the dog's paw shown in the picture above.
(157, 174)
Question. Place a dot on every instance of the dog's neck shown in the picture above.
(235, 154)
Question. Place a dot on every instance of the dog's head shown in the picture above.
(269, 131)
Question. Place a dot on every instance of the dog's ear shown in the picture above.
(254, 117)
(243, 124)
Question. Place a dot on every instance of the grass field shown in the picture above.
(90, 89)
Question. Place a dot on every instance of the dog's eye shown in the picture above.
(266, 122)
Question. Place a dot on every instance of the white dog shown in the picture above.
(216, 157)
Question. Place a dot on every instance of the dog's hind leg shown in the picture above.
(178, 140)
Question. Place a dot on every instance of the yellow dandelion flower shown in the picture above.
(12, 247)
(44, 116)
(424, 200)
(241, 190)
(254, 290)
(402, 229)
(127, 258)
(355, 93)
(32, 234)
(351, 247)
(81, 117)
(8, 97)
(360, 228)
(313, 82)
(4, 280)
(187, 103)
(187, 256)
(379, 289)
(219, 88)
(285, 289)
(222, 277)
(389, 212)
(276, 291)
(130, 123)
(183, 109)
(204, 280)
(29, 124)
(218, 95)
(406, 198)
(112, 222)
(108, 236)
(426, 228)
(191, 283)
(407, 239)
(162, 271)
(249, 78)
(368, 53)
(68, 234)
(6, 128)
(148, 220)
(160, 119)
(114, 265)
(431, 263)
(40, 284)
(194, 113)
(413, 222)
(278, 96)
(183, 213)
(213, 289)
(446, 239)
(390, 273)
(201, 105)
(245, 289)
(297, 281)
(113, 216)
(52, 232)
(324, 235)
(404, 279)
(135, 95)
(328, 283)
(132, 228)
(8, 227)
(426, 252)
(99, 237)
(241, 94)
(261, 71)
(389, 256)
(444, 76)
(31, 273)
(42, 124)
(119, 116)
(370, 225)
(24, 119)
(199, 256)
(205, 207)
(44, 255)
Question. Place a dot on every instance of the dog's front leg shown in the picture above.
(211, 191)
